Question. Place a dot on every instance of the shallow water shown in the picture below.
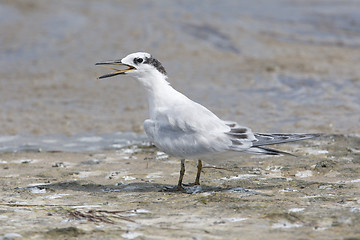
(284, 66)
(75, 143)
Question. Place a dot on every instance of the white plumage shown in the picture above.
(185, 129)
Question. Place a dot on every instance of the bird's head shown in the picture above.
(139, 65)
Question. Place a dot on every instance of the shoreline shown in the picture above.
(123, 193)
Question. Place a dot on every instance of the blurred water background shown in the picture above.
(274, 66)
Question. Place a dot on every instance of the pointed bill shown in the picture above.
(116, 71)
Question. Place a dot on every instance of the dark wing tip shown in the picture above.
(277, 138)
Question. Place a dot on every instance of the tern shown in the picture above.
(185, 129)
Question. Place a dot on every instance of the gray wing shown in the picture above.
(264, 139)
(276, 138)
(240, 135)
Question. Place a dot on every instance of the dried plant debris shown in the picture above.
(98, 216)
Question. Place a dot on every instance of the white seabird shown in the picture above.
(185, 129)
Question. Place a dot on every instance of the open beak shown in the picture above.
(117, 71)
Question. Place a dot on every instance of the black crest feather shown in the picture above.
(154, 62)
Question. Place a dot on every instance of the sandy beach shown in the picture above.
(125, 194)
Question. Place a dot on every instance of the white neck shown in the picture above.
(160, 94)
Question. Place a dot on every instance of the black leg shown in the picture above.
(182, 172)
(199, 167)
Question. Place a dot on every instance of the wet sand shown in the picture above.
(125, 194)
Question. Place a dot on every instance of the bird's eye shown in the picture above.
(138, 60)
